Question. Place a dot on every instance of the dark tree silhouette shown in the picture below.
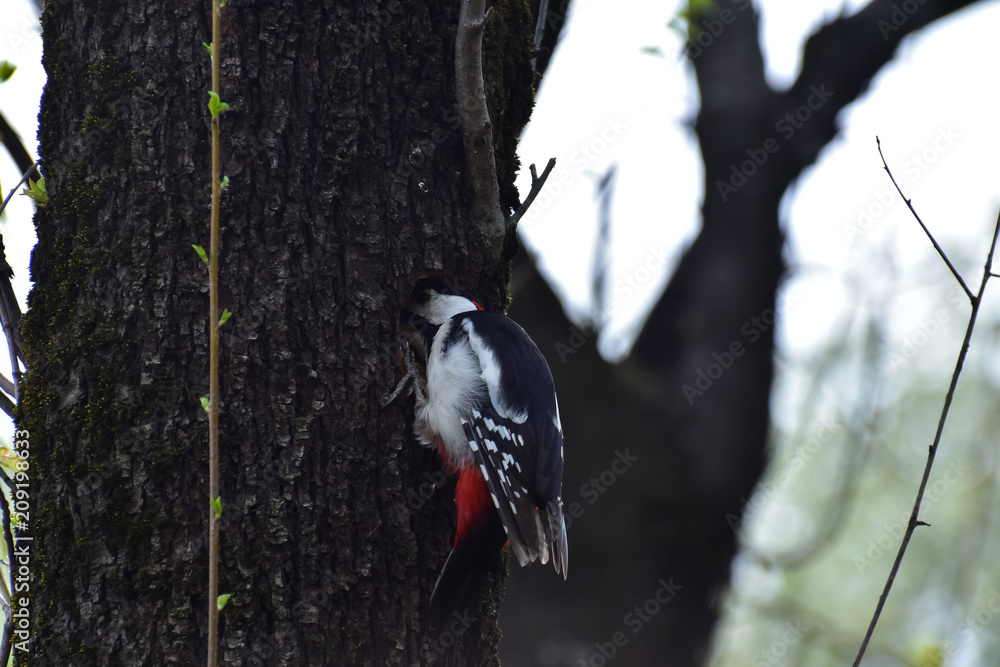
(690, 405)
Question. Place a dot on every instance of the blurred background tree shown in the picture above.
(691, 404)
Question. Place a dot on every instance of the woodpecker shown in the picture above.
(489, 408)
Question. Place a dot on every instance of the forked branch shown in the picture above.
(915, 521)
(909, 205)
(536, 186)
(477, 129)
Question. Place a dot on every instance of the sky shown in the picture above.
(929, 106)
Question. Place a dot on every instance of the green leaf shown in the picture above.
(225, 182)
(223, 3)
(205, 403)
(208, 47)
(6, 70)
(225, 316)
(679, 25)
(201, 252)
(215, 105)
(685, 21)
(217, 506)
(223, 599)
(37, 192)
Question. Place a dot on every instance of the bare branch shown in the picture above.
(937, 247)
(7, 385)
(10, 310)
(543, 14)
(214, 390)
(10, 313)
(7, 405)
(536, 186)
(477, 129)
(874, 34)
(10, 139)
(932, 451)
(24, 177)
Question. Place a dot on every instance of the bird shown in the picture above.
(489, 407)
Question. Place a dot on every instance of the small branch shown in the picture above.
(8, 308)
(536, 186)
(932, 450)
(954, 271)
(602, 249)
(14, 145)
(7, 385)
(543, 14)
(477, 130)
(24, 177)
(10, 312)
(213, 338)
(7, 406)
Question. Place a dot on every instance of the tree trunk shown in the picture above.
(345, 162)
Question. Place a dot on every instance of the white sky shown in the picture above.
(631, 108)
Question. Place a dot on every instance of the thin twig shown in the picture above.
(536, 186)
(24, 177)
(602, 249)
(12, 336)
(947, 261)
(543, 14)
(213, 323)
(15, 147)
(932, 451)
(8, 407)
(10, 313)
(7, 385)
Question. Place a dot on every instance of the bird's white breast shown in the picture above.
(454, 380)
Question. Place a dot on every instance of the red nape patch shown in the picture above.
(472, 500)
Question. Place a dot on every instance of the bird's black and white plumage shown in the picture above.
(490, 408)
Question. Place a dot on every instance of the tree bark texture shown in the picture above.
(346, 166)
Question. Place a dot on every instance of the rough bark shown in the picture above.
(346, 169)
